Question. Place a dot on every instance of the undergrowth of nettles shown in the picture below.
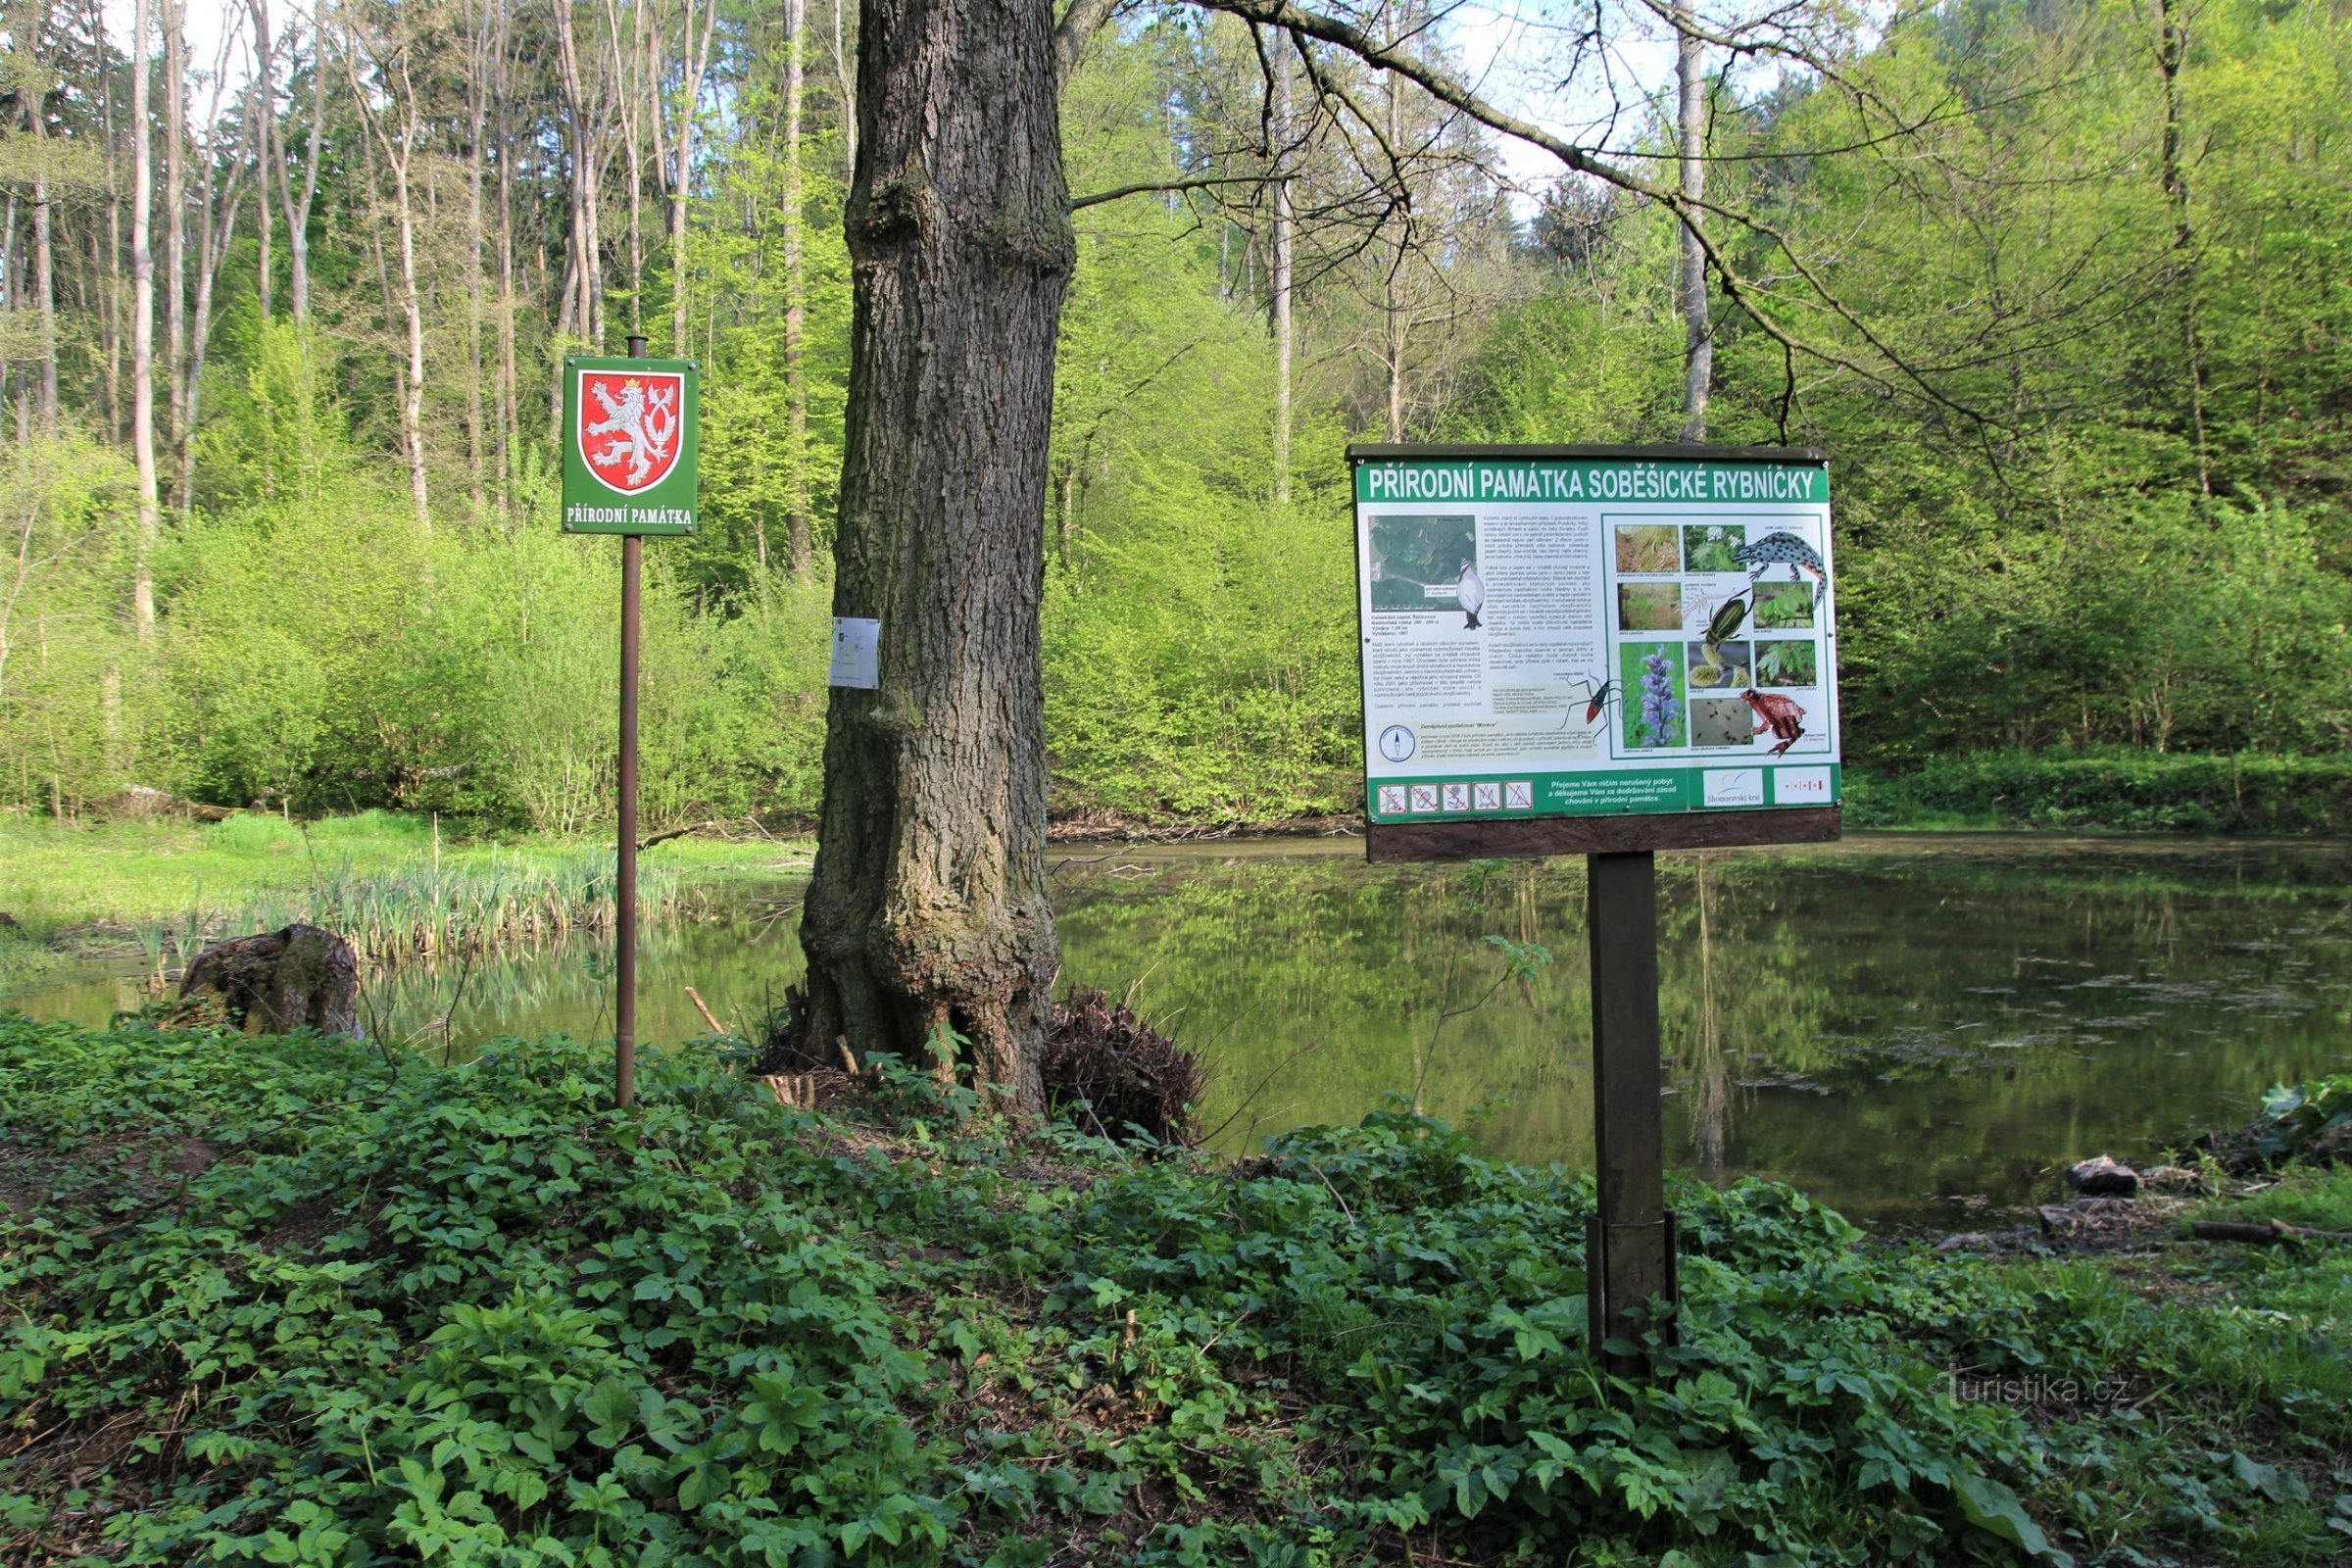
(304, 1301)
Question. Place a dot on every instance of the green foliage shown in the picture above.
(2295, 1117)
(2112, 787)
(360, 1308)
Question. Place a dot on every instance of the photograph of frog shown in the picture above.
(1720, 722)
(1784, 607)
(1718, 666)
(1648, 547)
(1788, 663)
(1421, 562)
(1649, 607)
(1713, 547)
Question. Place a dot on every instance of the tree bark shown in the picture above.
(799, 551)
(1690, 282)
(928, 908)
(142, 323)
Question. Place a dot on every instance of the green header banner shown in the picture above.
(632, 434)
(1417, 481)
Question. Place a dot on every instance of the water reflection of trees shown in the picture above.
(1892, 1028)
(1909, 1025)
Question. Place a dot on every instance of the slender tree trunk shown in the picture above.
(1393, 318)
(142, 323)
(698, 60)
(631, 88)
(218, 233)
(845, 80)
(1691, 281)
(176, 220)
(2172, 54)
(509, 384)
(1284, 331)
(44, 267)
(270, 161)
(585, 167)
(928, 908)
(799, 551)
(400, 154)
(475, 155)
(412, 403)
(298, 213)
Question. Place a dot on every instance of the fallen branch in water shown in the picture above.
(696, 998)
(666, 834)
(2277, 1230)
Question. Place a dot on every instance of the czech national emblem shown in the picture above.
(635, 444)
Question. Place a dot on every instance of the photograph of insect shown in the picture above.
(1598, 695)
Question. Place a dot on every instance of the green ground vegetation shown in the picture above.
(2112, 787)
(306, 1302)
(391, 884)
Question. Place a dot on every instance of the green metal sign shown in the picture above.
(632, 431)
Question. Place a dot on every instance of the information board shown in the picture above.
(631, 438)
(1564, 631)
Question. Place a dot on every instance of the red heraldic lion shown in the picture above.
(628, 426)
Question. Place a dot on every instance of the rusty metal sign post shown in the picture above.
(632, 434)
(1605, 652)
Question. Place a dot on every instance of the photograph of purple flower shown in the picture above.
(1656, 712)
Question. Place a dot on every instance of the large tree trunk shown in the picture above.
(928, 908)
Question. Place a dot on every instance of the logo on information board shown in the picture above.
(626, 426)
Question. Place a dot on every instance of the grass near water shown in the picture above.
(397, 888)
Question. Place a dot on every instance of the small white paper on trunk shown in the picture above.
(857, 653)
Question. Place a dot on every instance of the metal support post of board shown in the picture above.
(624, 896)
(1629, 1252)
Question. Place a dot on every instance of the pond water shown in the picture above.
(1916, 1028)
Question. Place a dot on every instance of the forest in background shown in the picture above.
(2061, 287)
